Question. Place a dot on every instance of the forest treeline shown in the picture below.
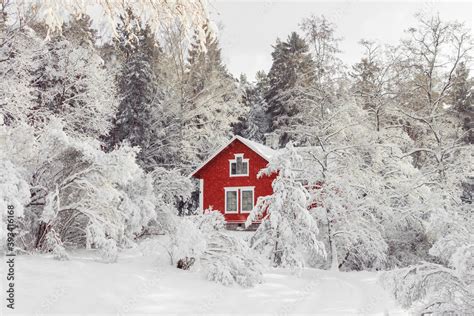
(97, 138)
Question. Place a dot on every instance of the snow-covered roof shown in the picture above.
(264, 151)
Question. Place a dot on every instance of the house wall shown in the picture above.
(216, 176)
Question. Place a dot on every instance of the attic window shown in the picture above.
(239, 166)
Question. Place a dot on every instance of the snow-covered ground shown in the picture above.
(143, 282)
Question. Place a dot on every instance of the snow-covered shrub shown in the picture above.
(439, 288)
(54, 245)
(138, 206)
(447, 284)
(109, 251)
(445, 247)
(185, 239)
(210, 221)
(463, 261)
(188, 235)
(14, 191)
(288, 232)
(96, 237)
(170, 184)
(222, 257)
(185, 263)
(407, 241)
(431, 289)
(228, 260)
(78, 190)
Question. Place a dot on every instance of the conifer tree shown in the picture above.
(79, 30)
(292, 71)
(288, 232)
(211, 104)
(137, 85)
(462, 99)
(256, 123)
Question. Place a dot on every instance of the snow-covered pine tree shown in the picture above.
(245, 86)
(288, 233)
(79, 31)
(137, 86)
(461, 97)
(256, 124)
(42, 79)
(212, 102)
(291, 72)
(317, 100)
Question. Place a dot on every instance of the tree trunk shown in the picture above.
(332, 245)
(277, 252)
(334, 259)
(42, 231)
(344, 260)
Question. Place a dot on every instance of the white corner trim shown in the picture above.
(201, 195)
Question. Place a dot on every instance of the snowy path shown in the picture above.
(146, 284)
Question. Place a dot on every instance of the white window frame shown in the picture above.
(235, 161)
(240, 199)
(236, 190)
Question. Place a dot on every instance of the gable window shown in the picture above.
(231, 200)
(239, 166)
(239, 199)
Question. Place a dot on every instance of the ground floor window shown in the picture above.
(231, 200)
(239, 199)
(246, 200)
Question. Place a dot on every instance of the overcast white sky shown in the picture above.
(249, 28)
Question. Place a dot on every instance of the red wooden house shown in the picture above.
(228, 179)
